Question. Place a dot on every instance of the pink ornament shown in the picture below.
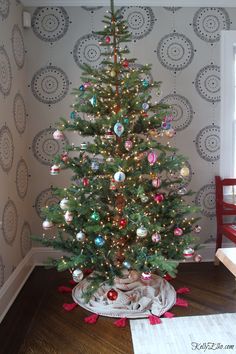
(47, 225)
(152, 157)
(197, 258)
(68, 217)
(128, 145)
(87, 84)
(107, 39)
(85, 182)
(178, 231)
(156, 182)
(156, 237)
(159, 198)
(65, 157)
(188, 253)
(58, 135)
(146, 276)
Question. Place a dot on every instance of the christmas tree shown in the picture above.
(124, 210)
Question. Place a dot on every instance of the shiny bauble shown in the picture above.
(145, 106)
(113, 73)
(85, 182)
(159, 198)
(126, 120)
(166, 125)
(80, 236)
(119, 129)
(64, 204)
(47, 224)
(112, 295)
(58, 135)
(83, 146)
(197, 258)
(182, 191)
(156, 182)
(109, 135)
(126, 264)
(73, 115)
(65, 157)
(110, 159)
(128, 145)
(144, 198)
(125, 63)
(184, 172)
(107, 39)
(119, 176)
(156, 237)
(170, 133)
(146, 276)
(188, 253)
(55, 170)
(99, 241)
(178, 231)
(95, 216)
(93, 101)
(197, 229)
(122, 223)
(81, 88)
(68, 217)
(94, 165)
(145, 83)
(152, 157)
(77, 275)
(87, 84)
(142, 231)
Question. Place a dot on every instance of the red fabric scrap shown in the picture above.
(153, 320)
(69, 307)
(72, 282)
(181, 302)
(122, 322)
(169, 314)
(183, 291)
(91, 319)
(167, 277)
(64, 289)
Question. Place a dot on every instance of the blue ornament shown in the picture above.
(145, 83)
(94, 165)
(145, 106)
(127, 264)
(73, 115)
(119, 129)
(81, 88)
(99, 241)
(126, 120)
(93, 101)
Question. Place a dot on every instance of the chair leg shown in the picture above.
(217, 262)
(218, 245)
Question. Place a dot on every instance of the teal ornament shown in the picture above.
(145, 106)
(127, 264)
(73, 115)
(126, 120)
(95, 216)
(93, 101)
(145, 83)
(99, 241)
(119, 129)
(81, 88)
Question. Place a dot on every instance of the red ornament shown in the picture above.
(125, 63)
(112, 295)
(123, 223)
(108, 39)
(65, 157)
(145, 114)
(159, 198)
(178, 231)
(85, 182)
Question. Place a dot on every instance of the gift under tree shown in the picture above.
(124, 216)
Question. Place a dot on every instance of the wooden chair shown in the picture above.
(224, 208)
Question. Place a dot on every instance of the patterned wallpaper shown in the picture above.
(15, 227)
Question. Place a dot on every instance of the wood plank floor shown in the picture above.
(37, 323)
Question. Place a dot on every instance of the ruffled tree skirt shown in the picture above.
(137, 298)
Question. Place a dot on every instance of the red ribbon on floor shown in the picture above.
(91, 319)
(183, 291)
(153, 320)
(64, 289)
(181, 302)
(169, 314)
(122, 322)
(69, 307)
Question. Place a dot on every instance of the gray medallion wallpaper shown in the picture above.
(40, 66)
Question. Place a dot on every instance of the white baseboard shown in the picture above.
(38, 256)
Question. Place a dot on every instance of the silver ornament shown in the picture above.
(77, 275)
(80, 236)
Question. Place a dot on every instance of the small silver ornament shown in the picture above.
(64, 204)
(77, 275)
(141, 231)
(80, 236)
(119, 176)
(47, 224)
(94, 165)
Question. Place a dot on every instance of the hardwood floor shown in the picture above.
(37, 323)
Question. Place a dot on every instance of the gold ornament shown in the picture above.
(113, 73)
(184, 171)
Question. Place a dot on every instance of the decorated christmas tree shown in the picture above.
(124, 216)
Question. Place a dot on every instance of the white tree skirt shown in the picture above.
(137, 298)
